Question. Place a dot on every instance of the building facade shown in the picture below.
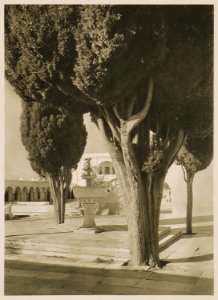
(103, 173)
(102, 169)
(29, 190)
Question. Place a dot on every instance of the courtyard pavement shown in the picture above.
(189, 270)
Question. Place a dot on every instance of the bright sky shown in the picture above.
(16, 162)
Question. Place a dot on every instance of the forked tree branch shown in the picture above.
(102, 129)
(114, 151)
(183, 171)
(130, 107)
(117, 114)
(111, 121)
(94, 119)
(134, 120)
(69, 89)
(166, 139)
(123, 108)
(158, 128)
(173, 148)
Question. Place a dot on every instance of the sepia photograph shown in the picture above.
(108, 149)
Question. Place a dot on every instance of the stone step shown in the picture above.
(169, 240)
(81, 249)
(53, 249)
(31, 208)
(80, 256)
(164, 231)
(65, 261)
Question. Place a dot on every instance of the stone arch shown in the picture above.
(17, 194)
(24, 195)
(72, 194)
(69, 194)
(37, 194)
(9, 194)
(45, 194)
(42, 194)
(48, 195)
(31, 194)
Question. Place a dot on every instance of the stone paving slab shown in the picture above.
(63, 291)
(165, 285)
(120, 281)
(166, 276)
(12, 289)
(204, 286)
(178, 272)
(107, 289)
(124, 273)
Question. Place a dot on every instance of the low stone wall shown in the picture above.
(27, 208)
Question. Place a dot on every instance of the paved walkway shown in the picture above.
(189, 271)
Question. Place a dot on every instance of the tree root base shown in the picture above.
(152, 265)
(190, 233)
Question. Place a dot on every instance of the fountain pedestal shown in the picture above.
(88, 204)
(88, 197)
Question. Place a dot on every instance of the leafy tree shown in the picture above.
(195, 155)
(41, 35)
(140, 70)
(55, 142)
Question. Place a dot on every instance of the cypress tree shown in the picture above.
(194, 156)
(55, 142)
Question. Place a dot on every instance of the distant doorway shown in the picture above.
(17, 194)
(31, 194)
(24, 195)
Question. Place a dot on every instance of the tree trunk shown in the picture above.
(190, 177)
(138, 225)
(142, 211)
(156, 193)
(59, 190)
(62, 203)
(145, 194)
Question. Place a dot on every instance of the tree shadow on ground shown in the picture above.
(198, 231)
(183, 220)
(199, 258)
(115, 227)
(38, 233)
(104, 227)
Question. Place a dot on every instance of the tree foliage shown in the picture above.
(52, 138)
(40, 51)
(117, 47)
(184, 83)
(196, 154)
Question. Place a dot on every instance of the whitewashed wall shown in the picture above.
(202, 191)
